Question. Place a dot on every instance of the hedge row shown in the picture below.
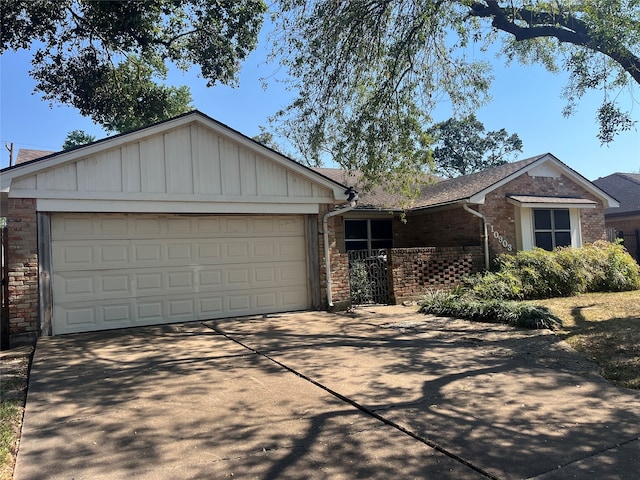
(596, 267)
(490, 297)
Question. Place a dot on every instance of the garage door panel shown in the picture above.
(118, 270)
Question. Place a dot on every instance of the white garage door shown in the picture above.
(114, 271)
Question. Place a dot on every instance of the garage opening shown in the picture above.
(123, 270)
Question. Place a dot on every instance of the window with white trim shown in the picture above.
(367, 234)
(551, 228)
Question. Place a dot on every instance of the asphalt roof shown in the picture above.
(624, 187)
(436, 192)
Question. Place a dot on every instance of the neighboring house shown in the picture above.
(625, 220)
(188, 220)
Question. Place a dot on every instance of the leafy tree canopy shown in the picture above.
(369, 74)
(463, 147)
(76, 138)
(108, 58)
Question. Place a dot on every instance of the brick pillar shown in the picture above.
(22, 263)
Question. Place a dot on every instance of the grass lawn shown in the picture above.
(14, 369)
(605, 328)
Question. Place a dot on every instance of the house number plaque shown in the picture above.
(503, 241)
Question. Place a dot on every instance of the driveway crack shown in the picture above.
(362, 408)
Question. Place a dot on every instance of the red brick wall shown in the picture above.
(624, 224)
(444, 228)
(501, 214)
(415, 271)
(22, 264)
(629, 226)
(456, 227)
(340, 291)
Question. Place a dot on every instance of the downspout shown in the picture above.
(485, 233)
(353, 201)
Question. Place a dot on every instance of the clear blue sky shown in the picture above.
(526, 100)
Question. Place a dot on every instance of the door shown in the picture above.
(118, 270)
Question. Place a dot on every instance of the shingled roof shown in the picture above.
(28, 154)
(624, 187)
(437, 192)
(376, 199)
(461, 188)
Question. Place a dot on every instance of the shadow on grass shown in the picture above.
(613, 343)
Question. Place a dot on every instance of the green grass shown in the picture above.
(14, 374)
(605, 328)
(10, 415)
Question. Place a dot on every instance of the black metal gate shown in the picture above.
(369, 277)
(631, 241)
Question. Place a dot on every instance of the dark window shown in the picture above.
(552, 228)
(368, 234)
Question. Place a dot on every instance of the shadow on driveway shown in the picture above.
(382, 393)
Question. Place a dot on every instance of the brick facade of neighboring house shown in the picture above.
(624, 220)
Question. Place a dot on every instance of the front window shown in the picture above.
(368, 234)
(551, 228)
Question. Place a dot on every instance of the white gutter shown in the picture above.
(484, 233)
(353, 201)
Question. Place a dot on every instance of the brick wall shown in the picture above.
(339, 261)
(443, 228)
(415, 271)
(501, 214)
(627, 224)
(22, 263)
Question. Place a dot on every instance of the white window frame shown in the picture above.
(525, 235)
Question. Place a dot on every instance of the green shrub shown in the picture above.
(597, 267)
(361, 287)
(490, 311)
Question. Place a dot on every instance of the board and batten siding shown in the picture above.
(188, 163)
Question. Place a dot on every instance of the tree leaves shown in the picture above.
(369, 74)
(462, 146)
(108, 58)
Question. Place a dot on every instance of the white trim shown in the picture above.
(524, 226)
(568, 204)
(576, 228)
(164, 197)
(137, 206)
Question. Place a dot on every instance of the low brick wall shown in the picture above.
(415, 271)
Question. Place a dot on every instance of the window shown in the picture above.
(551, 228)
(367, 234)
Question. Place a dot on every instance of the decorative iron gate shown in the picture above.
(369, 277)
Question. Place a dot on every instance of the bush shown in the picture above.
(490, 311)
(597, 267)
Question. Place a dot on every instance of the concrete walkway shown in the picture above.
(382, 393)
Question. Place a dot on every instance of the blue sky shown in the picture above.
(526, 100)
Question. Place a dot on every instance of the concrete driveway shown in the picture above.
(382, 393)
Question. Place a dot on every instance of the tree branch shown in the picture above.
(565, 28)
